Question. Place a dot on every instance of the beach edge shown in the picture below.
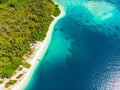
(39, 53)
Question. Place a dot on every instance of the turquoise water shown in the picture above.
(84, 52)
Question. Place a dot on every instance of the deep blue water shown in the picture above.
(84, 52)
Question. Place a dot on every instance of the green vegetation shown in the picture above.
(1, 81)
(11, 82)
(19, 76)
(26, 65)
(57, 11)
(22, 22)
(20, 68)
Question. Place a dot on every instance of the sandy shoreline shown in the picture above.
(40, 49)
(38, 54)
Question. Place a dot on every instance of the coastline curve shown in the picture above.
(40, 53)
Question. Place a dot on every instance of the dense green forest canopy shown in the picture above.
(22, 22)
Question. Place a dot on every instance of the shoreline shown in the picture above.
(38, 54)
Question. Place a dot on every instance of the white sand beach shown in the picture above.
(40, 50)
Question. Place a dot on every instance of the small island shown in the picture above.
(23, 26)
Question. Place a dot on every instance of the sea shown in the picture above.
(84, 51)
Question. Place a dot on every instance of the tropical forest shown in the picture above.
(22, 22)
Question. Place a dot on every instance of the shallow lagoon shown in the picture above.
(84, 52)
